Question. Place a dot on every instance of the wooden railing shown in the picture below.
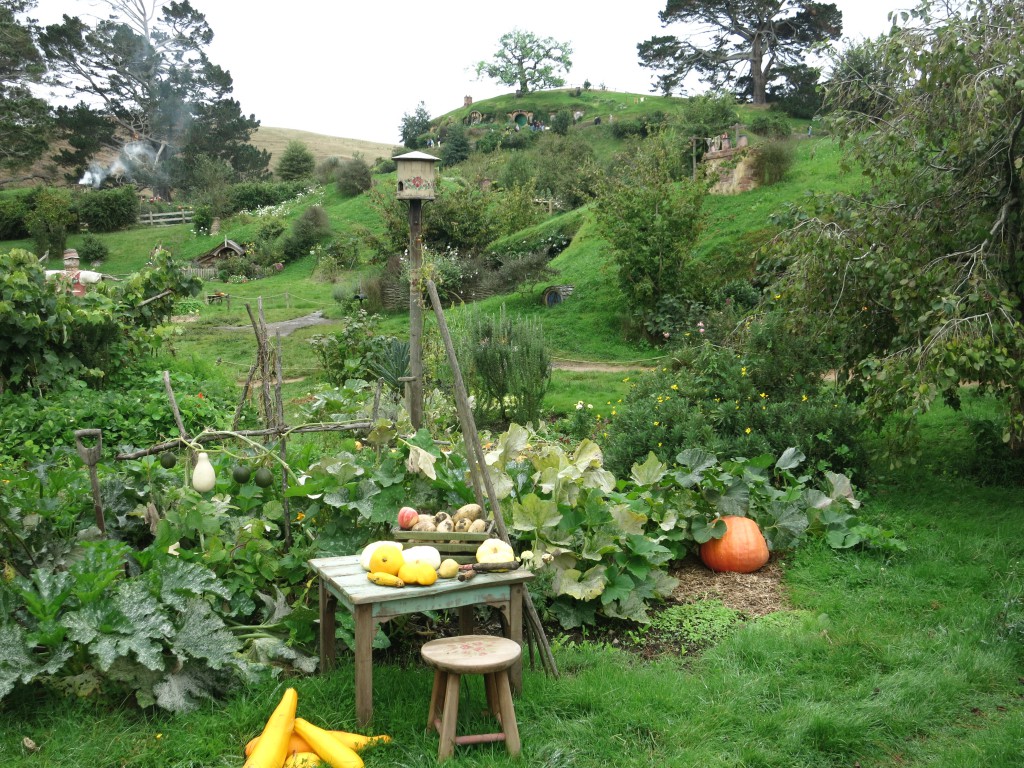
(164, 219)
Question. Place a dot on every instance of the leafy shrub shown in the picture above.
(456, 147)
(489, 141)
(202, 219)
(251, 195)
(326, 170)
(562, 122)
(385, 165)
(353, 177)
(13, 209)
(92, 250)
(771, 124)
(732, 406)
(309, 229)
(50, 219)
(771, 161)
(296, 163)
(505, 365)
(344, 354)
(108, 210)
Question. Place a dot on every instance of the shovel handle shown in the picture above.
(89, 454)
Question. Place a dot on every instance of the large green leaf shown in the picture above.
(581, 586)
(535, 514)
(650, 472)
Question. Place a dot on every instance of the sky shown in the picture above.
(355, 68)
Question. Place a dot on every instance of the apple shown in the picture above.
(407, 518)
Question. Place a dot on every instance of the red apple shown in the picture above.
(407, 518)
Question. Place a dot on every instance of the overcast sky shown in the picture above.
(354, 68)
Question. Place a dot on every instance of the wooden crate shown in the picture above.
(461, 547)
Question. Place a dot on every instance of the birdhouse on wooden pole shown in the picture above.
(417, 176)
(417, 181)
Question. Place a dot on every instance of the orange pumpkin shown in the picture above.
(741, 550)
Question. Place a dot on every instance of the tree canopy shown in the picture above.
(145, 69)
(527, 62)
(414, 126)
(741, 44)
(920, 278)
(24, 118)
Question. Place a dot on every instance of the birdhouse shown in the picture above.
(417, 176)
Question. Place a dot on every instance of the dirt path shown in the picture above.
(284, 327)
(585, 366)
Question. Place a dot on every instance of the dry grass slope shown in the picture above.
(274, 140)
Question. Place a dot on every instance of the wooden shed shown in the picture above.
(225, 250)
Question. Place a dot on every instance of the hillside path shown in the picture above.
(284, 327)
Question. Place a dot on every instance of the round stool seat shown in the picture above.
(471, 654)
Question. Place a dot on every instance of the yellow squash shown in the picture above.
(329, 748)
(273, 747)
(296, 743)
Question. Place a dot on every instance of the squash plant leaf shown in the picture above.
(421, 461)
(790, 459)
(648, 473)
(203, 636)
(704, 531)
(696, 462)
(535, 514)
(581, 586)
(619, 587)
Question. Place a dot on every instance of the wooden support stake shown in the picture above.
(283, 450)
(478, 471)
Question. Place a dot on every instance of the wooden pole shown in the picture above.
(415, 313)
(478, 471)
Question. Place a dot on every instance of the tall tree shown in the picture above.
(924, 271)
(24, 118)
(751, 38)
(527, 61)
(413, 126)
(145, 68)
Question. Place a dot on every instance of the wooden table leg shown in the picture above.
(515, 632)
(328, 610)
(467, 625)
(365, 629)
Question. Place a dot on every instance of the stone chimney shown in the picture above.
(467, 101)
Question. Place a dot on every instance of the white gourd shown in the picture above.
(203, 476)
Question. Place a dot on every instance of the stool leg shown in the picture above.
(436, 699)
(492, 694)
(446, 743)
(508, 714)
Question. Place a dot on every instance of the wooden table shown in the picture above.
(343, 580)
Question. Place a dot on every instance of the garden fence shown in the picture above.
(166, 218)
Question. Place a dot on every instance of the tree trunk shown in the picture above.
(758, 83)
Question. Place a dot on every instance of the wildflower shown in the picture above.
(657, 423)
(747, 430)
(579, 405)
(665, 334)
(200, 395)
(159, 736)
(743, 371)
(590, 406)
(763, 395)
(300, 517)
(674, 387)
(803, 398)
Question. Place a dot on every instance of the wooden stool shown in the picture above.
(453, 657)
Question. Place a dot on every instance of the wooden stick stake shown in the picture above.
(478, 471)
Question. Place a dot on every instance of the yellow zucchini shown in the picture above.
(327, 746)
(273, 747)
(296, 743)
